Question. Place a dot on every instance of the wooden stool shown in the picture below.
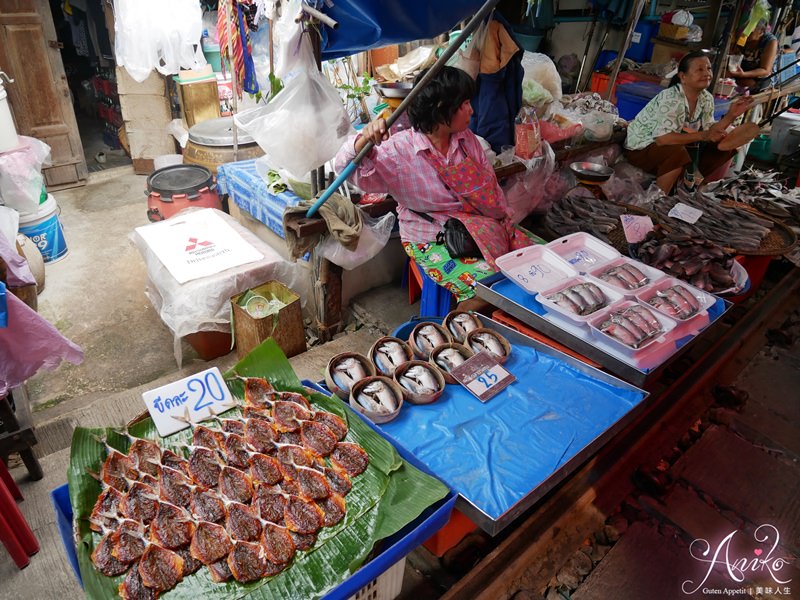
(16, 433)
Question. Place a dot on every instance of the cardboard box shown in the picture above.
(154, 85)
(662, 53)
(199, 101)
(145, 108)
(285, 327)
(673, 32)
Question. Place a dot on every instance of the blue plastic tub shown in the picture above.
(390, 550)
(605, 57)
(633, 97)
(641, 48)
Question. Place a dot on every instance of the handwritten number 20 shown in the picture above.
(211, 385)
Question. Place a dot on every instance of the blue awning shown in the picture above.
(365, 24)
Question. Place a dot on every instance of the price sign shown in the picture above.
(196, 397)
(483, 376)
(636, 227)
(686, 213)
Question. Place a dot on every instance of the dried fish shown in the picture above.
(419, 380)
(377, 397)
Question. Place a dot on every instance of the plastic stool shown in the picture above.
(435, 301)
(15, 533)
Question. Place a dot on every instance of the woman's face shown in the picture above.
(461, 119)
(699, 74)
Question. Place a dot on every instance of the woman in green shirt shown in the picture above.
(680, 116)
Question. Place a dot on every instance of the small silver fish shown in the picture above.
(486, 341)
(428, 337)
(462, 324)
(347, 372)
(377, 397)
(449, 359)
(390, 355)
(420, 380)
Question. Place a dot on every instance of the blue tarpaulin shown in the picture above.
(365, 24)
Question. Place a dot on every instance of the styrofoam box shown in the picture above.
(583, 251)
(598, 319)
(535, 268)
(705, 299)
(651, 273)
(612, 296)
(387, 586)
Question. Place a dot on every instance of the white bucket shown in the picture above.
(44, 229)
(8, 133)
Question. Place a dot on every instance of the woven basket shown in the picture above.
(780, 240)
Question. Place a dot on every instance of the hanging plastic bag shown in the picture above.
(21, 174)
(541, 68)
(374, 235)
(468, 59)
(528, 140)
(304, 125)
(287, 38)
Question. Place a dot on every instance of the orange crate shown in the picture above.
(457, 528)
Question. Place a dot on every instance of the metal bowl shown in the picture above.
(591, 172)
(399, 89)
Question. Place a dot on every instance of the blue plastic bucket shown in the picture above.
(44, 229)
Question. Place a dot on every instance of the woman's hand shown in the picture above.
(712, 135)
(740, 106)
(736, 73)
(375, 132)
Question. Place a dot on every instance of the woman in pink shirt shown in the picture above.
(435, 171)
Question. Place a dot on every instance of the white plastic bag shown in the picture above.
(469, 59)
(540, 68)
(287, 36)
(21, 174)
(374, 235)
(304, 125)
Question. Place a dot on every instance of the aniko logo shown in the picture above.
(738, 567)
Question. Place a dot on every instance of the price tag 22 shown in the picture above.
(483, 376)
(196, 397)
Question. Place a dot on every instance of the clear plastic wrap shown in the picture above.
(540, 68)
(374, 235)
(21, 174)
(203, 304)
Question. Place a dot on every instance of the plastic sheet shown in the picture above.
(21, 174)
(19, 273)
(204, 304)
(30, 343)
(495, 454)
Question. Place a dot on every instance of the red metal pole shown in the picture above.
(15, 520)
(12, 544)
(5, 477)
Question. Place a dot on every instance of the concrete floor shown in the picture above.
(95, 297)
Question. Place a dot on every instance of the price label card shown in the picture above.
(686, 213)
(483, 376)
(196, 397)
(636, 227)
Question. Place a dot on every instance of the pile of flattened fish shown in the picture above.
(580, 210)
(247, 494)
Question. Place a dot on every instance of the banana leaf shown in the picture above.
(389, 495)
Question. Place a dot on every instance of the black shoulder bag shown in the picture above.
(455, 237)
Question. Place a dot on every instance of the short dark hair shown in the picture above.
(685, 63)
(440, 99)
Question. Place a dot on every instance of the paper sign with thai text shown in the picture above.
(193, 398)
(686, 213)
(483, 376)
(636, 227)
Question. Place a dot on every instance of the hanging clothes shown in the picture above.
(499, 94)
(232, 25)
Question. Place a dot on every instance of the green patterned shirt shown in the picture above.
(668, 112)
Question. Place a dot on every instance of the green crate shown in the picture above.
(760, 149)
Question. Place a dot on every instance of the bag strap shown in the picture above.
(425, 216)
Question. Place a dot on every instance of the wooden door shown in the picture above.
(40, 98)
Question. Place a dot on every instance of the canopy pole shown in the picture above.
(432, 72)
(635, 14)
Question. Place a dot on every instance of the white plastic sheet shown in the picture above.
(204, 304)
(154, 34)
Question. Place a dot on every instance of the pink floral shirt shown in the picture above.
(398, 167)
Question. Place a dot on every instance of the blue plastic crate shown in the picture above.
(633, 97)
(641, 48)
(391, 549)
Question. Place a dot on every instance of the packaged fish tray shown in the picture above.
(535, 268)
(583, 251)
(632, 327)
(627, 275)
(578, 299)
(676, 299)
